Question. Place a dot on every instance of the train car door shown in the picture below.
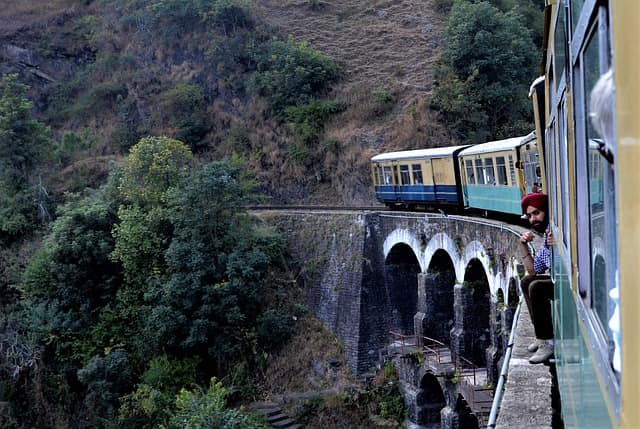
(444, 181)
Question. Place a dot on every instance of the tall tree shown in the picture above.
(487, 65)
(24, 141)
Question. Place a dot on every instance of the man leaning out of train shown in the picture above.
(537, 286)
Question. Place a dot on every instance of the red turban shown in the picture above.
(537, 200)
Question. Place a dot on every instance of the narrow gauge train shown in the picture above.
(491, 177)
(587, 115)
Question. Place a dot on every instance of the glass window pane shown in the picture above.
(601, 202)
(501, 170)
(417, 174)
(471, 180)
(488, 169)
(404, 175)
(479, 172)
(387, 175)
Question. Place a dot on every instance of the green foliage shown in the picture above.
(24, 143)
(151, 404)
(486, 66)
(176, 16)
(292, 74)
(72, 143)
(107, 377)
(308, 120)
(205, 410)
(383, 100)
(154, 165)
(184, 110)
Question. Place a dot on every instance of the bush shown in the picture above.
(292, 74)
(308, 120)
(204, 410)
(184, 110)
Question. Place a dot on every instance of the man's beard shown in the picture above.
(540, 227)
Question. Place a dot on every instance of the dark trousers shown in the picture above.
(538, 294)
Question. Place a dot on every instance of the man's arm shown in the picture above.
(527, 259)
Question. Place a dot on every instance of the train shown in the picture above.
(488, 177)
(584, 153)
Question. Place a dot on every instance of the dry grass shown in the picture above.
(303, 364)
(388, 46)
(18, 14)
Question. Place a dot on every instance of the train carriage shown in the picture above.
(496, 175)
(590, 142)
(418, 178)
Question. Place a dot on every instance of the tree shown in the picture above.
(24, 141)
(484, 73)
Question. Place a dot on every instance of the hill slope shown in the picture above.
(386, 48)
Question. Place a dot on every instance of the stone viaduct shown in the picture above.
(367, 274)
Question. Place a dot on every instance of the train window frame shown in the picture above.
(471, 177)
(416, 174)
(489, 171)
(405, 176)
(387, 175)
(593, 28)
(501, 171)
(479, 171)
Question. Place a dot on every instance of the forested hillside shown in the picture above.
(134, 290)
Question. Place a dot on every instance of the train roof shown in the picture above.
(498, 145)
(434, 152)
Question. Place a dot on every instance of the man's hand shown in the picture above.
(526, 237)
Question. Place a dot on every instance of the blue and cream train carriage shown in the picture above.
(490, 176)
(496, 175)
(418, 178)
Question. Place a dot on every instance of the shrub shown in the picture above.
(308, 120)
(203, 410)
(184, 110)
(292, 74)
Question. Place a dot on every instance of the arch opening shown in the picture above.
(401, 279)
(438, 301)
(476, 311)
(430, 401)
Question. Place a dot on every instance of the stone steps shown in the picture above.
(275, 416)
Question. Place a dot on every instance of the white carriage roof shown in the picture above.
(417, 154)
(497, 145)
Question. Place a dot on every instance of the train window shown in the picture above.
(488, 170)
(471, 179)
(601, 195)
(479, 172)
(512, 171)
(576, 8)
(396, 178)
(416, 169)
(404, 175)
(501, 169)
(560, 45)
(563, 166)
(386, 172)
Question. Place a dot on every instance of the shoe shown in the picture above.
(534, 345)
(545, 351)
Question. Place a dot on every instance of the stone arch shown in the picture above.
(442, 242)
(405, 236)
(475, 250)
(401, 269)
(430, 401)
